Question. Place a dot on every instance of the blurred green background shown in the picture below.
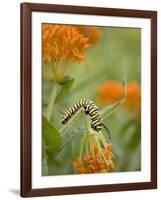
(116, 55)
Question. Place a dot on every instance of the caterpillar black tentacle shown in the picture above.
(90, 109)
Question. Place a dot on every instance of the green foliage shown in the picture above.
(66, 85)
(46, 90)
(117, 55)
(51, 137)
(66, 141)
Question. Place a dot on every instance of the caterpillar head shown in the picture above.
(64, 121)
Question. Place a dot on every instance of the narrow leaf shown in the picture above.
(66, 143)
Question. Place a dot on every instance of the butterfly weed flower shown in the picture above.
(62, 45)
(95, 156)
(111, 91)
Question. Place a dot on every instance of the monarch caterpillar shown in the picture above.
(90, 109)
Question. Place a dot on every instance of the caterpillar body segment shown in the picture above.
(90, 109)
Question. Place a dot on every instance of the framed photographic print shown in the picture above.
(88, 99)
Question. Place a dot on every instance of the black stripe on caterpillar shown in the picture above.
(90, 109)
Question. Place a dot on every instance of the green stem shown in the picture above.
(51, 101)
(83, 142)
(92, 145)
(101, 138)
(100, 149)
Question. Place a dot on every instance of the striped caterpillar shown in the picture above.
(90, 109)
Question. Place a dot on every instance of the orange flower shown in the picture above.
(111, 91)
(63, 42)
(91, 32)
(98, 160)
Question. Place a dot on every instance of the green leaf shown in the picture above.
(65, 142)
(66, 84)
(51, 137)
(46, 91)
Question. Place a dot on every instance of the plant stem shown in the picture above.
(83, 142)
(101, 150)
(51, 101)
(99, 134)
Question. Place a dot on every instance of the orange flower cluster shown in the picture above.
(111, 91)
(63, 42)
(97, 161)
(90, 32)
